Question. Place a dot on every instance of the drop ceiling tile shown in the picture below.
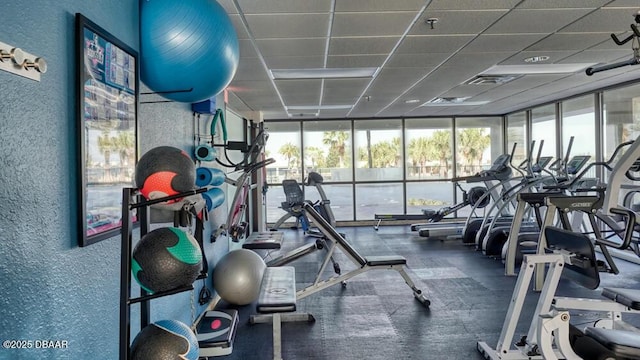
(604, 20)
(291, 47)
(555, 4)
(343, 91)
(471, 4)
(536, 21)
(564, 41)
(500, 43)
(416, 44)
(371, 24)
(251, 69)
(294, 62)
(272, 26)
(362, 45)
(284, 6)
(299, 92)
(598, 56)
(456, 22)
(241, 32)
(424, 60)
(228, 6)
(246, 49)
(378, 5)
(347, 61)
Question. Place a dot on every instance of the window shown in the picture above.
(517, 134)
(432, 195)
(621, 110)
(543, 128)
(327, 149)
(340, 197)
(378, 150)
(383, 198)
(428, 148)
(478, 143)
(579, 121)
(284, 146)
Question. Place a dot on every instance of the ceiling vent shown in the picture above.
(491, 79)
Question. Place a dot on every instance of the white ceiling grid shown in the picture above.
(417, 62)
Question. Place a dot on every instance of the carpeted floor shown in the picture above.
(376, 316)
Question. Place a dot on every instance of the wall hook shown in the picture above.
(19, 62)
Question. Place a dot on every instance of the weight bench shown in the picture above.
(277, 302)
(268, 240)
(363, 264)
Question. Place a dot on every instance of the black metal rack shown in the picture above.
(128, 204)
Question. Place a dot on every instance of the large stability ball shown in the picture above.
(166, 259)
(164, 171)
(187, 45)
(238, 276)
(165, 340)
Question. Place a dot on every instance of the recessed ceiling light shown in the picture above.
(323, 73)
(535, 59)
(412, 101)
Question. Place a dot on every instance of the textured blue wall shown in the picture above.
(52, 289)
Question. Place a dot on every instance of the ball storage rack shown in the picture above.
(131, 201)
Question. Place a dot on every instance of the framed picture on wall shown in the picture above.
(107, 112)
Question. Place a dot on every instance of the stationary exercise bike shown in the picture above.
(295, 201)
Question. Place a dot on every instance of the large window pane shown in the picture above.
(429, 145)
(543, 127)
(284, 146)
(275, 198)
(621, 117)
(478, 143)
(378, 154)
(579, 121)
(517, 134)
(374, 199)
(340, 197)
(428, 195)
(327, 149)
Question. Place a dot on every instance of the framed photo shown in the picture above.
(107, 112)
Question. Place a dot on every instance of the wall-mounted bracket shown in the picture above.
(19, 62)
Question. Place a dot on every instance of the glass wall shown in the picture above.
(378, 149)
(579, 121)
(478, 143)
(517, 134)
(283, 145)
(621, 117)
(327, 149)
(544, 128)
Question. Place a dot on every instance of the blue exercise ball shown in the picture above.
(187, 45)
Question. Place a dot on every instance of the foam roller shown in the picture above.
(209, 176)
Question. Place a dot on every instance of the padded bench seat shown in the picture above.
(278, 290)
(385, 260)
(626, 297)
(270, 240)
(622, 342)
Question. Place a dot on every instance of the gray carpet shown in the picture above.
(376, 317)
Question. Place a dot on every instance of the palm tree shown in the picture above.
(439, 145)
(106, 146)
(419, 152)
(315, 156)
(291, 152)
(125, 145)
(471, 145)
(337, 142)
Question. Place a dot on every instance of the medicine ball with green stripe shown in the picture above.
(166, 259)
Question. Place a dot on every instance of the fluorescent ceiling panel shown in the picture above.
(318, 107)
(536, 69)
(323, 73)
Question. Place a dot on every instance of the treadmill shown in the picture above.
(499, 173)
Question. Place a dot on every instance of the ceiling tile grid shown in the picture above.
(418, 61)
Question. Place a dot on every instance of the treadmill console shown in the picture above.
(500, 163)
(577, 163)
(541, 164)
